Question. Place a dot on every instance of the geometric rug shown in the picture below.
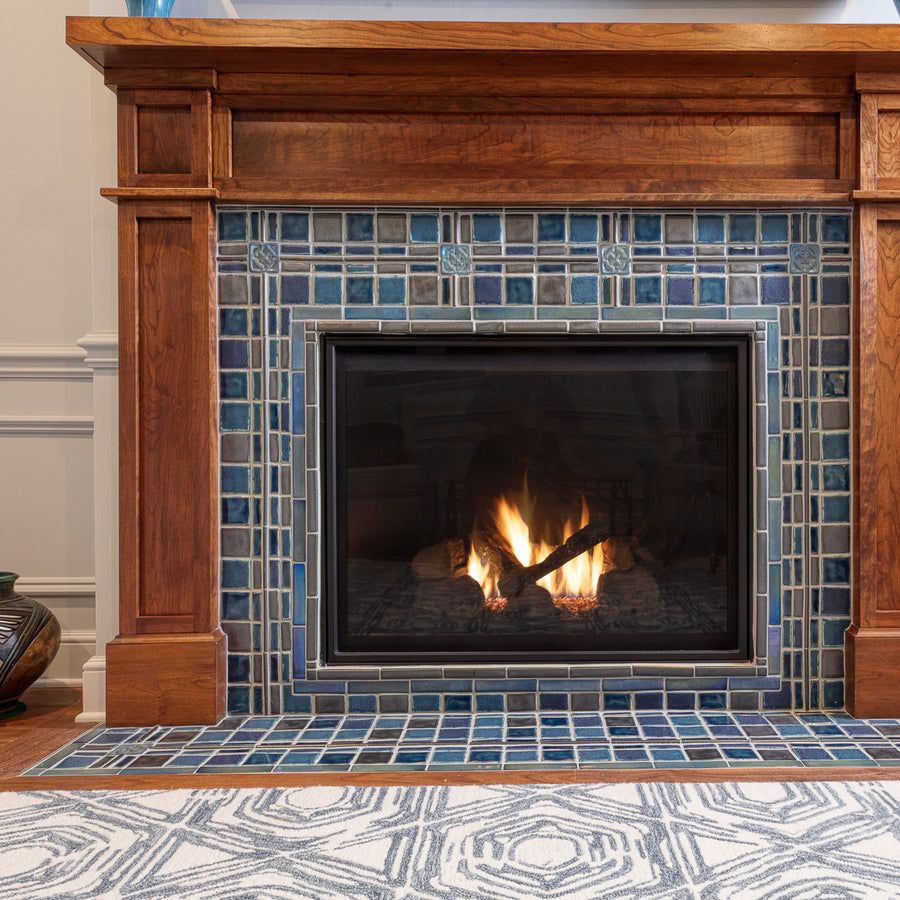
(726, 841)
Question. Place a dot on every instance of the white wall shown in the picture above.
(51, 236)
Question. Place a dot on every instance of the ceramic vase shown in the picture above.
(29, 639)
(157, 8)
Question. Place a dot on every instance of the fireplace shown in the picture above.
(741, 181)
(545, 499)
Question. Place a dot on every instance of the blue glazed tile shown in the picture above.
(425, 229)
(679, 291)
(636, 754)
(487, 289)
(647, 289)
(233, 386)
(360, 289)
(457, 703)
(710, 229)
(327, 289)
(295, 288)
(234, 354)
(294, 226)
(711, 290)
(558, 754)
(583, 228)
(235, 574)
(835, 446)
(741, 229)
(647, 228)
(486, 228)
(391, 289)
(667, 754)
(774, 228)
(519, 290)
(585, 289)
(775, 289)
(232, 226)
(836, 229)
(551, 228)
(836, 570)
(233, 321)
(360, 226)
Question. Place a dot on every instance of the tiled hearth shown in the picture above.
(286, 276)
(451, 742)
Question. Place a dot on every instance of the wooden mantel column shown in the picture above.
(167, 665)
(873, 639)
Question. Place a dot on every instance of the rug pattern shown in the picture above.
(578, 842)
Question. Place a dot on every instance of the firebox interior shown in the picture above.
(498, 499)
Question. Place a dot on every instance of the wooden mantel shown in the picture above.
(214, 111)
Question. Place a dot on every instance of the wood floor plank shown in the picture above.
(47, 724)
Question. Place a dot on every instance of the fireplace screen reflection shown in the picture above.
(501, 500)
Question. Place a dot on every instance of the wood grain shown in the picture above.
(852, 41)
(885, 423)
(583, 85)
(873, 672)
(268, 145)
(164, 140)
(166, 679)
(47, 724)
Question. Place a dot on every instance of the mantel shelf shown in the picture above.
(296, 45)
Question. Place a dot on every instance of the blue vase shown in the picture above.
(149, 7)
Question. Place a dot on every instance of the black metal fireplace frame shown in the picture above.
(481, 649)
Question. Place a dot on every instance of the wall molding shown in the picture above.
(58, 362)
(57, 589)
(39, 426)
(101, 349)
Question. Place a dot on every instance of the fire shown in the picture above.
(573, 586)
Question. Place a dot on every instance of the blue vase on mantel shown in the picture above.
(156, 8)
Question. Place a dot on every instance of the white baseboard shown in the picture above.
(94, 695)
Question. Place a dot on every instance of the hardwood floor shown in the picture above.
(49, 723)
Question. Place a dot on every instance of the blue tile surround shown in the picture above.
(286, 276)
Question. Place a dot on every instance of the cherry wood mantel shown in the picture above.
(406, 113)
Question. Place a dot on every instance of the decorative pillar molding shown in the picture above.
(102, 358)
(873, 639)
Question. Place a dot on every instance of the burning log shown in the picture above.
(516, 580)
(446, 559)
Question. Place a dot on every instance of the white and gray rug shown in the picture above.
(816, 840)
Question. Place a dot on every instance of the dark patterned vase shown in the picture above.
(29, 639)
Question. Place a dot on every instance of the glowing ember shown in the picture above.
(576, 606)
(573, 586)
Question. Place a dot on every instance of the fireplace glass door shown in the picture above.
(507, 500)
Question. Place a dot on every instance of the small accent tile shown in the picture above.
(264, 257)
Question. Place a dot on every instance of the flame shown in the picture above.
(573, 587)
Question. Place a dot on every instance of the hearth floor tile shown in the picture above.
(558, 740)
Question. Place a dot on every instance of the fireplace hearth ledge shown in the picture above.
(275, 112)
